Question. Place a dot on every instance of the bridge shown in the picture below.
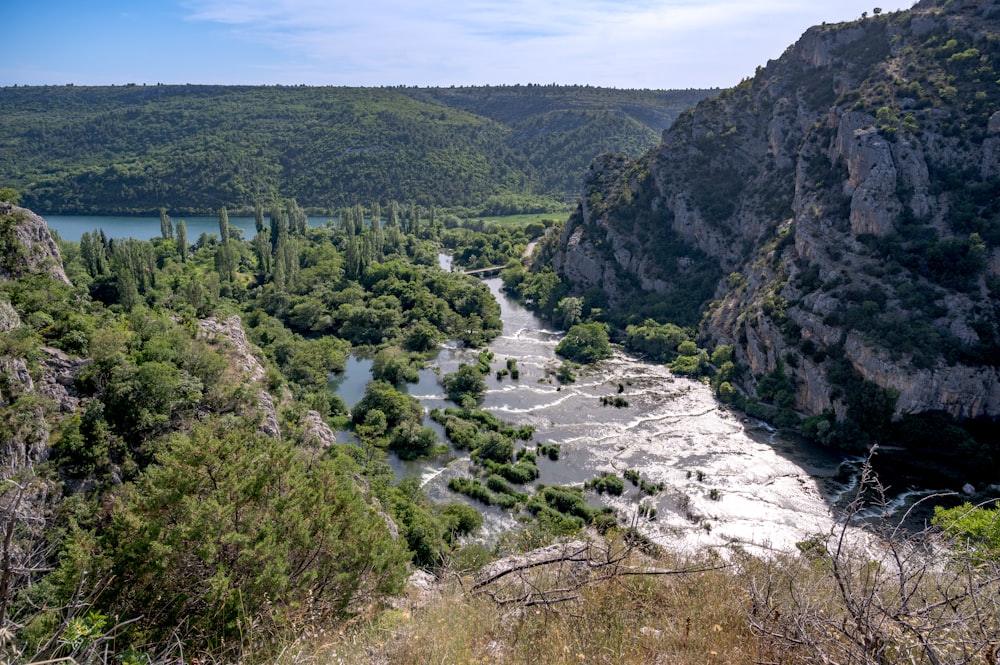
(491, 271)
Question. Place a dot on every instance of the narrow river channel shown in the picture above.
(726, 479)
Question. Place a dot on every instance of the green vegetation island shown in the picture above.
(819, 245)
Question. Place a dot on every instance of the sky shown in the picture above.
(655, 44)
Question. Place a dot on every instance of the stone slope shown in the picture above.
(27, 246)
(845, 198)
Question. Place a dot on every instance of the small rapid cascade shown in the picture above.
(726, 479)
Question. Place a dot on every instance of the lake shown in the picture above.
(72, 227)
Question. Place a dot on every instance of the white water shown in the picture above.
(727, 479)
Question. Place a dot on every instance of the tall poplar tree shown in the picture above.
(279, 227)
(224, 225)
(258, 216)
(182, 241)
(166, 225)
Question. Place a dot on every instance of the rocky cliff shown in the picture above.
(835, 217)
(26, 246)
(28, 385)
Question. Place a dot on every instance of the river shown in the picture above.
(727, 479)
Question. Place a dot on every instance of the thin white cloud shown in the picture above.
(627, 43)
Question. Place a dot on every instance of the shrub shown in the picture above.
(461, 519)
(566, 372)
(464, 384)
(494, 446)
(304, 534)
(585, 343)
(607, 482)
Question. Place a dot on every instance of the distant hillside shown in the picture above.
(836, 220)
(196, 148)
(555, 127)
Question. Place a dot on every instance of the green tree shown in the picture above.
(568, 311)
(465, 386)
(223, 225)
(421, 337)
(258, 216)
(166, 225)
(94, 254)
(585, 343)
(410, 440)
(230, 527)
(182, 241)
(654, 339)
(398, 407)
(394, 365)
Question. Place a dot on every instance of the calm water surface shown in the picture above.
(72, 227)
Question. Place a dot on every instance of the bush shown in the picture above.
(585, 343)
(466, 384)
(471, 488)
(304, 534)
(653, 339)
(460, 519)
(607, 482)
(566, 372)
(550, 450)
(494, 446)
(395, 366)
(974, 529)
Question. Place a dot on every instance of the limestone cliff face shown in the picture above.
(28, 247)
(230, 335)
(846, 200)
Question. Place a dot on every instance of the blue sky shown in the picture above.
(614, 43)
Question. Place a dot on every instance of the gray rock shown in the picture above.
(269, 415)
(993, 126)
(38, 252)
(846, 174)
(9, 320)
(315, 431)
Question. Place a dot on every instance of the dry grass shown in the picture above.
(620, 619)
(785, 610)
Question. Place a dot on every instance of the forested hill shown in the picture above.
(134, 149)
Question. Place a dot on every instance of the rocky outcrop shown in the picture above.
(17, 380)
(28, 247)
(852, 198)
(229, 334)
(871, 184)
(25, 440)
(58, 377)
(9, 319)
(315, 431)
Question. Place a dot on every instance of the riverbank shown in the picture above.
(726, 480)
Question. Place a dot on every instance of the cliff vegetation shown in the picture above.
(833, 220)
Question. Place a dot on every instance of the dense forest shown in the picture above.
(194, 149)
